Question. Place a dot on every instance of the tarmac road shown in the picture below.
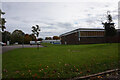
(8, 48)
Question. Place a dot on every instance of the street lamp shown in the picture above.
(23, 40)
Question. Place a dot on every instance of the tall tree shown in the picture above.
(48, 38)
(2, 21)
(40, 39)
(6, 36)
(36, 30)
(33, 37)
(17, 36)
(109, 26)
(56, 38)
(27, 39)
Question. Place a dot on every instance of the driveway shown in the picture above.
(8, 48)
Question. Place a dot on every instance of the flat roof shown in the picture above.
(82, 29)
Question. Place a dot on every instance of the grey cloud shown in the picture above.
(48, 22)
(116, 17)
(47, 15)
(92, 8)
(115, 11)
(64, 25)
(36, 21)
(26, 21)
(89, 14)
(48, 27)
(20, 19)
(89, 21)
(48, 34)
(56, 25)
(93, 20)
(106, 5)
(15, 18)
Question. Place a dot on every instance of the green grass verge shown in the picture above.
(60, 61)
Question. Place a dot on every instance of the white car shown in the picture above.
(3, 44)
(32, 42)
(35, 43)
(16, 43)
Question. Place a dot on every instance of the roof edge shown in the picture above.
(81, 29)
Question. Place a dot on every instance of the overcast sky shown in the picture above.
(55, 18)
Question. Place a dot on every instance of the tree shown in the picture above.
(40, 39)
(6, 36)
(2, 21)
(109, 26)
(3, 24)
(27, 38)
(36, 30)
(33, 37)
(56, 38)
(17, 36)
(109, 29)
(48, 38)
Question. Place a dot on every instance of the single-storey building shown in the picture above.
(51, 41)
(88, 36)
(83, 36)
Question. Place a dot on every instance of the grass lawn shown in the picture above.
(60, 61)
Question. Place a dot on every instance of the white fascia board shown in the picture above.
(68, 33)
(79, 31)
(91, 36)
(91, 30)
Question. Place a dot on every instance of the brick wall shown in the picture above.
(90, 40)
(86, 38)
(70, 39)
(92, 33)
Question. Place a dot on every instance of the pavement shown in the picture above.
(8, 48)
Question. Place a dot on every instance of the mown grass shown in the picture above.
(60, 61)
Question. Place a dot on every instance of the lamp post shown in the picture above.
(23, 40)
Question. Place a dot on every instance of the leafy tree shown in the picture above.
(33, 37)
(56, 38)
(6, 36)
(40, 39)
(109, 29)
(48, 38)
(27, 39)
(2, 21)
(109, 26)
(17, 36)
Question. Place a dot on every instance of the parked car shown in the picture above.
(32, 42)
(38, 42)
(35, 43)
(3, 44)
(16, 43)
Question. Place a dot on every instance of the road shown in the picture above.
(8, 48)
